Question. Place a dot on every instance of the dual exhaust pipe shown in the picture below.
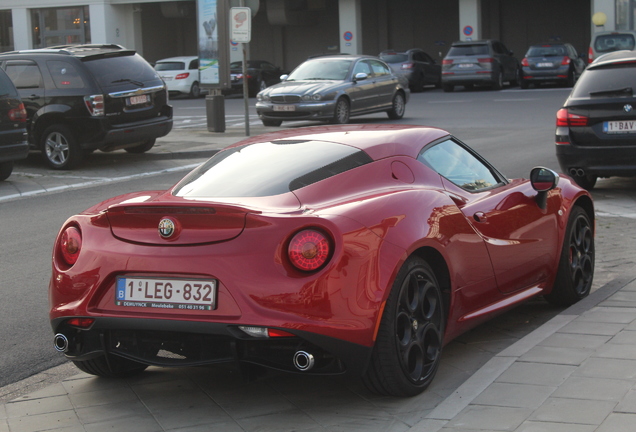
(577, 172)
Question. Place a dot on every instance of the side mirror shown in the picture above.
(284, 77)
(543, 180)
(360, 76)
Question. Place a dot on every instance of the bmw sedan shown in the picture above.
(334, 88)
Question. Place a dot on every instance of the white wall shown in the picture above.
(470, 17)
(608, 7)
(350, 21)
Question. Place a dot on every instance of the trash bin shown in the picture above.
(215, 111)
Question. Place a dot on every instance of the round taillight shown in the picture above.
(309, 250)
(71, 245)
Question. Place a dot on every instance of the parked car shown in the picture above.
(13, 134)
(81, 98)
(596, 127)
(416, 65)
(553, 62)
(334, 88)
(610, 41)
(357, 249)
(260, 75)
(181, 75)
(484, 62)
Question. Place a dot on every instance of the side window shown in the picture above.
(24, 74)
(459, 165)
(378, 68)
(64, 74)
(194, 64)
(267, 66)
(362, 66)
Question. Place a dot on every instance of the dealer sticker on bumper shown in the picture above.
(166, 293)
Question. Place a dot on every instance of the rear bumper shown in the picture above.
(602, 161)
(13, 145)
(560, 74)
(176, 343)
(473, 78)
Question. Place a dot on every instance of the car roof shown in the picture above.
(83, 50)
(379, 142)
(475, 42)
(547, 44)
(613, 57)
(178, 59)
(342, 56)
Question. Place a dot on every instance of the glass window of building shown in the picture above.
(6, 31)
(60, 26)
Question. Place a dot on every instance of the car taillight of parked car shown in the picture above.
(566, 61)
(18, 114)
(447, 62)
(309, 250)
(407, 65)
(525, 62)
(70, 245)
(567, 119)
(182, 76)
(95, 104)
(590, 55)
(486, 60)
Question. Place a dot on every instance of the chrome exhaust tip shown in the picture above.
(60, 342)
(303, 361)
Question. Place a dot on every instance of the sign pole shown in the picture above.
(246, 91)
(241, 31)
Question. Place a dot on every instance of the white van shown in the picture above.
(605, 42)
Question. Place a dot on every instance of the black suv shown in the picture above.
(81, 98)
(483, 62)
(596, 128)
(13, 134)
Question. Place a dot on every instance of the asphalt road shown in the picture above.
(512, 128)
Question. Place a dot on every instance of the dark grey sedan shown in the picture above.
(334, 88)
(554, 62)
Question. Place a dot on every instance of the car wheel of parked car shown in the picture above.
(409, 342)
(341, 113)
(272, 122)
(498, 85)
(5, 170)
(587, 182)
(448, 88)
(576, 265)
(195, 90)
(141, 148)
(398, 107)
(60, 147)
(110, 366)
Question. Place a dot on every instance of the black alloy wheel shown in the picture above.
(576, 264)
(408, 348)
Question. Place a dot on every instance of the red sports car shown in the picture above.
(321, 250)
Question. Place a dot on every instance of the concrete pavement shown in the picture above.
(533, 369)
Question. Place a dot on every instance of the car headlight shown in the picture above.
(262, 97)
(312, 97)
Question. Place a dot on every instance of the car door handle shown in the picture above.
(480, 216)
(32, 97)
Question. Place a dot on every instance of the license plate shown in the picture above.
(618, 127)
(284, 107)
(166, 293)
(138, 100)
(544, 65)
(166, 78)
(465, 65)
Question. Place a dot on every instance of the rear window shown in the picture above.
(395, 58)
(269, 168)
(547, 51)
(7, 89)
(120, 70)
(64, 74)
(170, 66)
(614, 42)
(609, 81)
(468, 50)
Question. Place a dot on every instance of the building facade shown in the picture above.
(286, 32)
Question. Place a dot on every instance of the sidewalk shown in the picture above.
(576, 372)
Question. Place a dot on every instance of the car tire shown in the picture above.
(398, 106)
(141, 148)
(448, 88)
(195, 90)
(342, 112)
(408, 347)
(498, 84)
(587, 182)
(60, 147)
(272, 122)
(6, 168)
(110, 366)
(576, 263)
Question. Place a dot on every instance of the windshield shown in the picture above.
(170, 66)
(468, 50)
(395, 58)
(321, 69)
(289, 165)
(614, 42)
(547, 51)
(615, 80)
